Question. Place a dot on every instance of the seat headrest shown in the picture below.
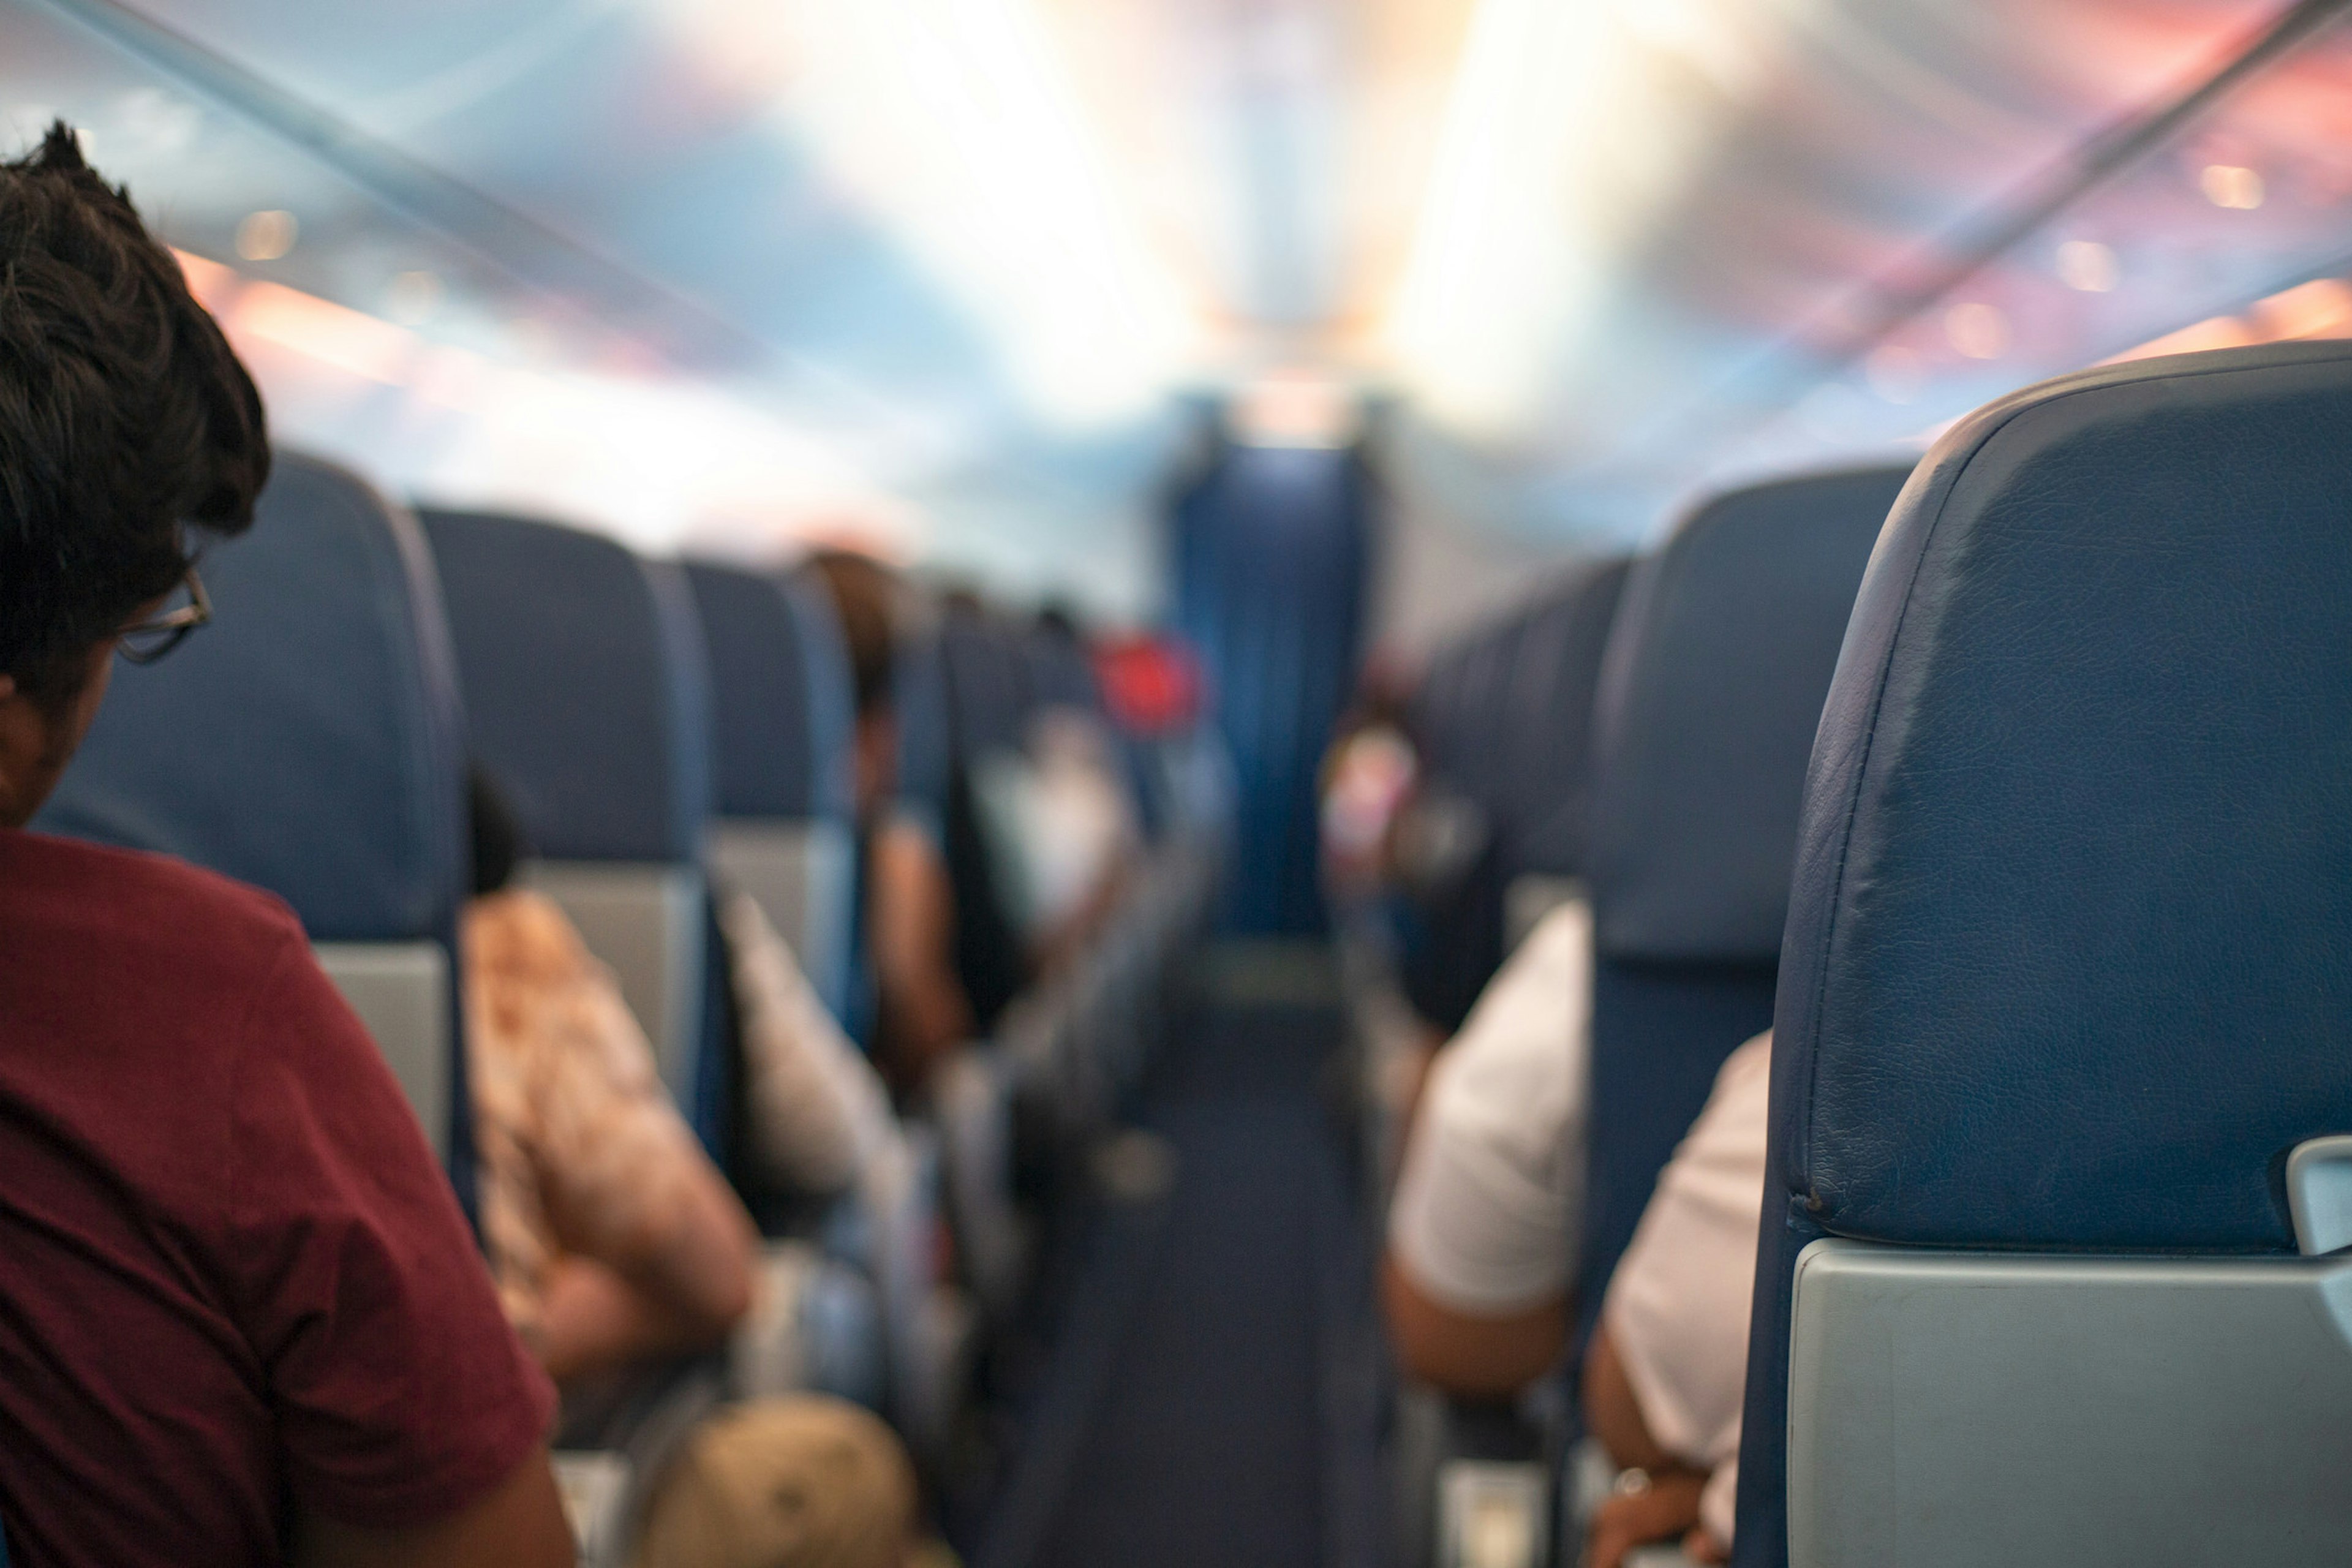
(1549, 723)
(780, 697)
(585, 683)
(986, 672)
(310, 739)
(1060, 674)
(1710, 691)
(2070, 949)
(920, 704)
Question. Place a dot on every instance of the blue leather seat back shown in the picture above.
(1710, 691)
(782, 718)
(311, 739)
(585, 683)
(987, 680)
(587, 697)
(1059, 673)
(1549, 719)
(762, 696)
(2069, 948)
(920, 699)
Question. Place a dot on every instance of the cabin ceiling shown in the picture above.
(975, 259)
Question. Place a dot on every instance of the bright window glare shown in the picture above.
(1471, 317)
(1569, 122)
(2087, 265)
(266, 235)
(651, 460)
(956, 123)
(2230, 186)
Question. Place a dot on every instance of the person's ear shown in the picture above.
(7, 687)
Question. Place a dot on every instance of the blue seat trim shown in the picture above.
(1711, 690)
(2070, 943)
(576, 653)
(309, 741)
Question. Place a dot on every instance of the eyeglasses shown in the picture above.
(145, 642)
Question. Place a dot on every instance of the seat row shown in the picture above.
(2009, 792)
(662, 731)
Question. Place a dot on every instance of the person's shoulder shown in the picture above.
(1565, 932)
(138, 901)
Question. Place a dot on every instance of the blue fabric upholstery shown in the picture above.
(1503, 719)
(310, 740)
(2070, 945)
(926, 758)
(1710, 690)
(781, 739)
(1059, 672)
(833, 698)
(585, 685)
(988, 679)
(1548, 713)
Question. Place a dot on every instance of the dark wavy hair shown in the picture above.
(125, 419)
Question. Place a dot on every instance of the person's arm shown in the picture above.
(1664, 1507)
(1481, 1245)
(1474, 1355)
(925, 1014)
(684, 1294)
(657, 1250)
(519, 1524)
(407, 1414)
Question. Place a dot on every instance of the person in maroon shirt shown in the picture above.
(242, 1321)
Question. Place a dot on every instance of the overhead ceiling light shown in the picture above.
(414, 299)
(1296, 408)
(2087, 265)
(1568, 125)
(956, 123)
(266, 235)
(2231, 185)
(1893, 373)
(1977, 330)
(1480, 300)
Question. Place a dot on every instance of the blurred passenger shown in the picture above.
(1368, 778)
(243, 1319)
(1666, 1372)
(907, 901)
(1483, 1226)
(816, 1113)
(1062, 832)
(612, 1237)
(616, 1242)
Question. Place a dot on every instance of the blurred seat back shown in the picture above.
(309, 741)
(1710, 692)
(1547, 740)
(780, 712)
(586, 699)
(2060, 1070)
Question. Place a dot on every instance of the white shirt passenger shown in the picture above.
(1678, 1304)
(1487, 1206)
(817, 1113)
